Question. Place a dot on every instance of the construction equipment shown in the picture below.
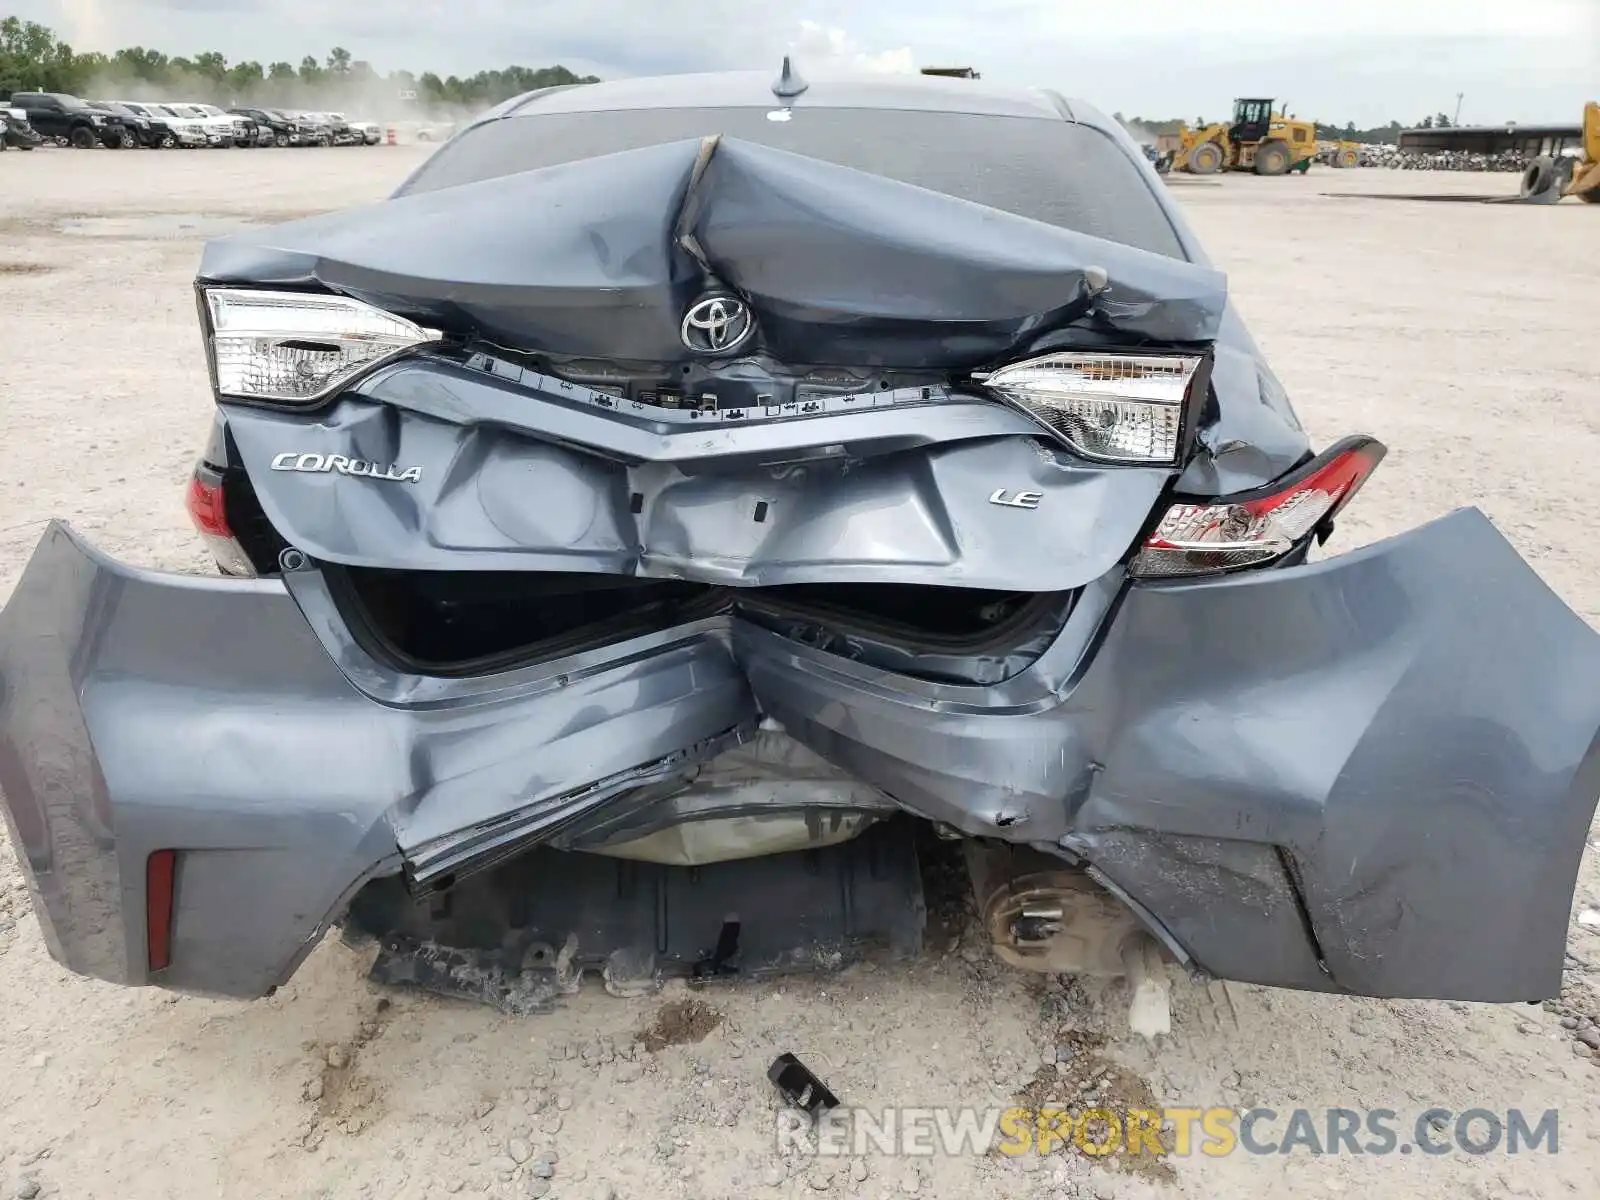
(1343, 154)
(1259, 140)
(1162, 162)
(1567, 170)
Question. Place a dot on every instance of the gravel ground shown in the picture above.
(1461, 335)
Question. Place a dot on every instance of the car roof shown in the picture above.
(753, 89)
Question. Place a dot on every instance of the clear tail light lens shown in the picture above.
(298, 347)
(1257, 527)
(1123, 408)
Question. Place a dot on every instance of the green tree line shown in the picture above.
(33, 58)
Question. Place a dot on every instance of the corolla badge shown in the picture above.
(717, 325)
(292, 460)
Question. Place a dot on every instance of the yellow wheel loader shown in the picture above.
(1340, 154)
(1258, 140)
(1582, 178)
(1565, 169)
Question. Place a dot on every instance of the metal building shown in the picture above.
(1530, 140)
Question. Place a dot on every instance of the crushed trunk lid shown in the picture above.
(602, 257)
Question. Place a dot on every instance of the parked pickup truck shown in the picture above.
(71, 120)
(281, 129)
(168, 129)
(340, 133)
(314, 129)
(226, 132)
(142, 130)
(246, 131)
(371, 132)
(15, 132)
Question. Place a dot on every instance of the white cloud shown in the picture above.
(1273, 20)
(88, 22)
(830, 46)
(1363, 60)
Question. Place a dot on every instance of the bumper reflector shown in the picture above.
(160, 872)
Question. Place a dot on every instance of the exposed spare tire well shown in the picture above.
(455, 623)
(964, 636)
(462, 623)
(948, 618)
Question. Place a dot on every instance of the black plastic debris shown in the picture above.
(799, 1086)
(723, 960)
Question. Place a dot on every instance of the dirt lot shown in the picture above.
(1461, 335)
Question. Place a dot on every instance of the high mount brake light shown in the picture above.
(298, 347)
(1261, 526)
(1120, 408)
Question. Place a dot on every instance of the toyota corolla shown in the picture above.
(696, 496)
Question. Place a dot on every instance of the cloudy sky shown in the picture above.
(1361, 60)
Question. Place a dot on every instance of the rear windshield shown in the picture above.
(1068, 175)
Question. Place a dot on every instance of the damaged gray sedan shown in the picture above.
(686, 501)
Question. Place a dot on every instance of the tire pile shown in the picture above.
(1396, 159)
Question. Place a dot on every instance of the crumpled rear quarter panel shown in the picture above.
(1416, 724)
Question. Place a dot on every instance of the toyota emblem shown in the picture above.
(717, 325)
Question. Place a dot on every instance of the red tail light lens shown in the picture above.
(208, 511)
(204, 501)
(1253, 528)
(160, 877)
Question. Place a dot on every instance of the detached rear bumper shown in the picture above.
(143, 711)
(1371, 774)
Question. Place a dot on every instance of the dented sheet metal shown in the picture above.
(1413, 727)
(865, 515)
(141, 711)
(840, 266)
(1371, 774)
(601, 258)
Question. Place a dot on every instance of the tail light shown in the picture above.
(160, 881)
(298, 347)
(1257, 527)
(208, 511)
(1119, 408)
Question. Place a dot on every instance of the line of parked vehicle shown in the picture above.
(30, 119)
